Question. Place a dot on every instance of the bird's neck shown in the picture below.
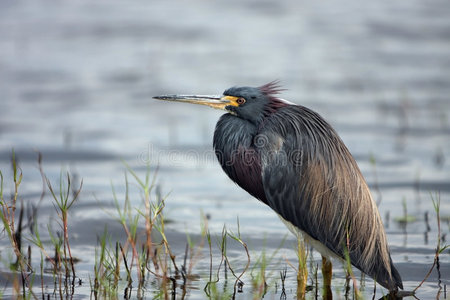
(273, 105)
(233, 144)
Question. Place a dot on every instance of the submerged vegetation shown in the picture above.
(145, 262)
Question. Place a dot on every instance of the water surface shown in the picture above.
(76, 80)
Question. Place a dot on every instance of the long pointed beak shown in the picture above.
(217, 102)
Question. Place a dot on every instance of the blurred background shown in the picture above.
(77, 77)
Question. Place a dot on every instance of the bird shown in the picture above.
(291, 159)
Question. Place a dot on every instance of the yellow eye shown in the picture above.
(240, 101)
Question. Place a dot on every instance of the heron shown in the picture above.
(287, 156)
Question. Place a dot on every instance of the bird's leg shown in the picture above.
(327, 272)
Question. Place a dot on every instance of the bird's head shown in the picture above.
(249, 103)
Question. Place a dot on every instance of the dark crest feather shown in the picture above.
(271, 88)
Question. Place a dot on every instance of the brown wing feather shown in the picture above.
(312, 181)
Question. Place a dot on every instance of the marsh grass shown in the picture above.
(63, 202)
(349, 271)
(145, 257)
(406, 218)
(211, 288)
(436, 200)
(261, 276)
(14, 233)
(140, 255)
(302, 272)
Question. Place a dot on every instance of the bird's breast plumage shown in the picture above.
(235, 150)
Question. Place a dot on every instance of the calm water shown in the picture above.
(76, 80)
